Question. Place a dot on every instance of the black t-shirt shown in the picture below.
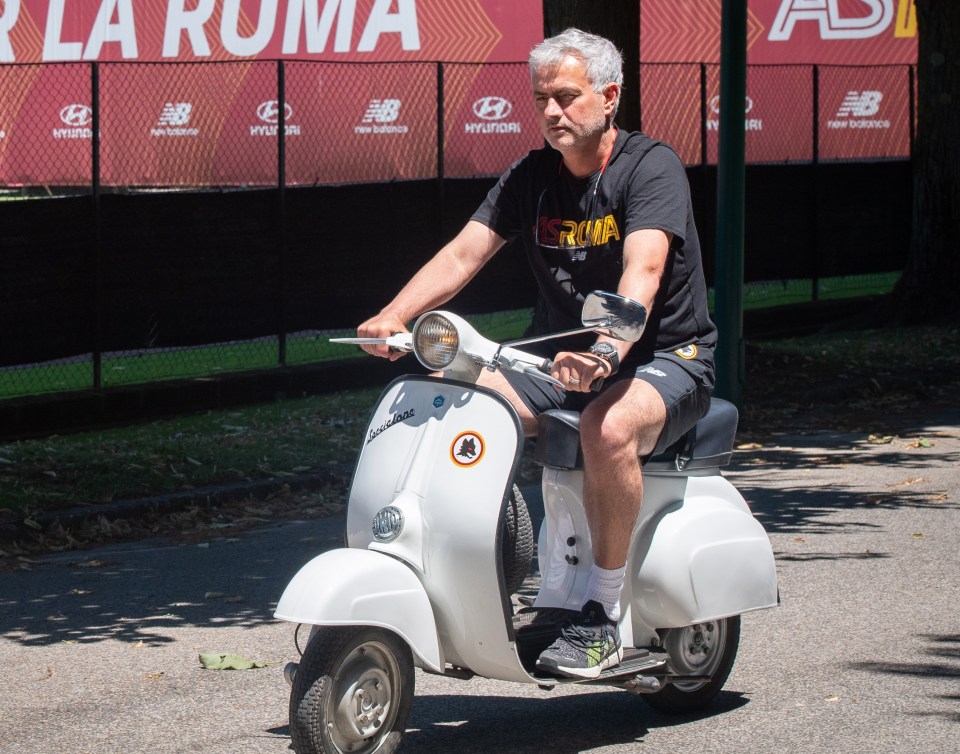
(573, 232)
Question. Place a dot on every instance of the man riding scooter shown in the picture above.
(597, 208)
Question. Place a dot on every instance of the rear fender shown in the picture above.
(707, 559)
(353, 587)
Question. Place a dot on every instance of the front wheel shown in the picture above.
(352, 692)
(705, 649)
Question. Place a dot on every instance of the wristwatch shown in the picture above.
(608, 352)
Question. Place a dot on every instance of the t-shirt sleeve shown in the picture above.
(501, 211)
(657, 194)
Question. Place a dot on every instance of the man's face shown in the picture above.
(571, 113)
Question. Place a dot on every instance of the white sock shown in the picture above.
(605, 586)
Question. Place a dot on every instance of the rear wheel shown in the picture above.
(704, 649)
(352, 692)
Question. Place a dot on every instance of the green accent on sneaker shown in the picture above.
(587, 645)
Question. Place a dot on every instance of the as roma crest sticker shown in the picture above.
(467, 449)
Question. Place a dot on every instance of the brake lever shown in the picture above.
(396, 342)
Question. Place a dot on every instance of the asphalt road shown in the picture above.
(99, 649)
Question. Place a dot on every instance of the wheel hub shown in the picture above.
(694, 650)
(365, 699)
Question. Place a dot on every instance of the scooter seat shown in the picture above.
(707, 445)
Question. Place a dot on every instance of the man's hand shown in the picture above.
(578, 371)
(381, 326)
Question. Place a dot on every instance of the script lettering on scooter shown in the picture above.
(397, 418)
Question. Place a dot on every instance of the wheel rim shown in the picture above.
(365, 698)
(696, 650)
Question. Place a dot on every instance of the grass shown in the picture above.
(784, 378)
(275, 440)
(849, 382)
(132, 368)
(139, 367)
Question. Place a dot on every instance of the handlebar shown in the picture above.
(503, 357)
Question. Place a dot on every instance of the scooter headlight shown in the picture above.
(435, 341)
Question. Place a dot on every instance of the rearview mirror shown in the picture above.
(614, 315)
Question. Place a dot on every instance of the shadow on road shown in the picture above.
(472, 724)
(788, 495)
(142, 594)
(945, 649)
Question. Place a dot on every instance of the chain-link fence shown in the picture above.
(793, 114)
(105, 297)
(262, 123)
(123, 126)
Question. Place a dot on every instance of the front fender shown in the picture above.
(353, 587)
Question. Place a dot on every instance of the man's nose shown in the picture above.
(552, 108)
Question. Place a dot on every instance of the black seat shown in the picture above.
(707, 445)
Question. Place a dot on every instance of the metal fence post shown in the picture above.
(703, 115)
(815, 189)
(730, 200)
(441, 213)
(282, 214)
(97, 251)
(911, 89)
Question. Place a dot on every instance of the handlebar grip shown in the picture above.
(595, 387)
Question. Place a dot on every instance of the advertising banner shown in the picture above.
(477, 31)
(828, 32)
(863, 50)
(361, 89)
(491, 120)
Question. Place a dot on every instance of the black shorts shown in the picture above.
(684, 384)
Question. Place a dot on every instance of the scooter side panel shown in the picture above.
(363, 588)
(564, 549)
(705, 558)
(443, 453)
(477, 450)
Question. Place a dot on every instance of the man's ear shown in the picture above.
(611, 96)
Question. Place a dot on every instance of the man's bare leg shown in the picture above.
(496, 381)
(620, 426)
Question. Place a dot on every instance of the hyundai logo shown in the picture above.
(492, 108)
(715, 104)
(269, 112)
(76, 116)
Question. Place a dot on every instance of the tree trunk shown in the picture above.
(929, 289)
(618, 21)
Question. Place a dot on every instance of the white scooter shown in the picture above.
(438, 539)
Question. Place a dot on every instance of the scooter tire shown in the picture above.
(352, 692)
(680, 698)
(516, 543)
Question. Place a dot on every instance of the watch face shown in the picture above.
(602, 349)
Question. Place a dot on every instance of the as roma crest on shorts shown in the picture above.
(467, 449)
(687, 352)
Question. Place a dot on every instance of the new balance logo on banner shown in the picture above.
(857, 111)
(860, 104)
(172, 121)
(382, 111)
(175, 114)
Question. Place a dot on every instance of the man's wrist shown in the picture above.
(608, 352)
